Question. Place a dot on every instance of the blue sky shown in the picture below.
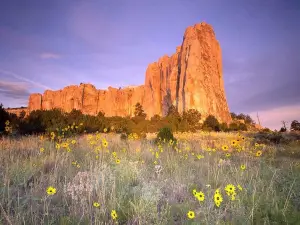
(52, 44)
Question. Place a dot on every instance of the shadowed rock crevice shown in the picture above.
(167, 103)
(97, 103)
(184, 79)
(178, 78)
(82, 98)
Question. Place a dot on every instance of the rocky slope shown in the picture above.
(189, 79)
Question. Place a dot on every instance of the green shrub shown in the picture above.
(166, 134)
(211, 123)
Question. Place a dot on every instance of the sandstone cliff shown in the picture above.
(189, 79)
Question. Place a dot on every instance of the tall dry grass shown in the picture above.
(150, 185)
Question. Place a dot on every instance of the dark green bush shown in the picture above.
(295, 125)
(4, 116)
(166, 134)
(211, 124)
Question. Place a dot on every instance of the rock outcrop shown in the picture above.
(189, 79)
(18, 111)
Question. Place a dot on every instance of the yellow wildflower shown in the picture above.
(258, 153)
(52, 135)
(104, 143)
(200, 156)
(65, 145)
(195, 192)
(225, 147)
(114, 214)
(239, 187)
(232, 196)
(96, 204)
(57, 146)
(42, 149)
(230, 188)
(234, 143)
(218, 199)
(191, 214)
(51, 190)
(200, 196)
(118, 161)
(243, 167)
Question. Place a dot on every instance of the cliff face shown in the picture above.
(189, 79)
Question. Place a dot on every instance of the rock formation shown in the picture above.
(189, 79)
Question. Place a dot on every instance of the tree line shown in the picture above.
(46, 121)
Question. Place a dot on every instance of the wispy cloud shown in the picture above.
(14, 90)
(19, 77)
(49, 55)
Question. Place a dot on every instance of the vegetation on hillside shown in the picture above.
(40, 121)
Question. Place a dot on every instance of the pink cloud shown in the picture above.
(49, 55)
(272, 118)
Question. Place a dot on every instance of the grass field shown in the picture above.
(101, 179)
